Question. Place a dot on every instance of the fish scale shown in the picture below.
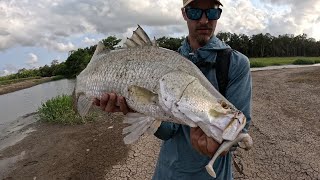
(160, 85)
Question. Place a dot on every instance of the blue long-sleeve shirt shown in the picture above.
(177, 158)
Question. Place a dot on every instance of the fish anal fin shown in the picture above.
(140, 124)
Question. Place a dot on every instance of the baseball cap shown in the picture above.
(186, 2)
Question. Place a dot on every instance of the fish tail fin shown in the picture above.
(140, 124)
(226, 145)
(138, 38)
(210, 170)
(74, 100)
(84, 104)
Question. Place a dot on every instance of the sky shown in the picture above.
(33, 33)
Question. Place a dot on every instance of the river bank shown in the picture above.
(8, 88)
(285, 128)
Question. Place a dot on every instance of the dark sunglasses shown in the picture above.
(196, 13)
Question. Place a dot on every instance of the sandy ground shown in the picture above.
(285, 129)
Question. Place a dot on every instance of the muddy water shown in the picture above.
(20, 103)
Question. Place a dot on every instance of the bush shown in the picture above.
(60, 110)
(303, 62)
(59, 77)
(257, 64)
(317, 61)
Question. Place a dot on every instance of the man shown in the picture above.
(186, 151)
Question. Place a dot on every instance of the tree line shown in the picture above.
(266, 45)
(259, 45)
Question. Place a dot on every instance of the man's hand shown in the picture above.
(202, 143)
(110, 102)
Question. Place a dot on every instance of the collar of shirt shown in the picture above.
(203, 53)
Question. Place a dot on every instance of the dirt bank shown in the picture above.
(285, 130)
(4, 89)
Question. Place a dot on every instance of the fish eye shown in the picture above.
(224, 104)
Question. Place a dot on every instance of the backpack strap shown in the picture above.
(222, 69)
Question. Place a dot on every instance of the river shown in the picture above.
(16, 104)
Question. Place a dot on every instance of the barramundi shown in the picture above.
(159, 85)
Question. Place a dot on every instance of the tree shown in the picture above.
(76, 62)
(170, 43)
(110, 42)
(45, 71)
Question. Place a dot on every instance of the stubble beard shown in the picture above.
(202, 40)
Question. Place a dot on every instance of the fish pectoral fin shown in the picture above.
(84, 104)
(140, 124)
(142, 95)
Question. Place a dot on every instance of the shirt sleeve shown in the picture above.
(166, 130)
(239, 89)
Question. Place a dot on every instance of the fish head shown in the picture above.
(193, 104)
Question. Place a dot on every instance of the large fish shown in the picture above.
(160, 85)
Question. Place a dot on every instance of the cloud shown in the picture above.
(301, 17)
(4, 72)
(240, 16)
(62, 47)
(89, 41)
(32, 61)
(54, 24)
(8, 69)
(48, 23)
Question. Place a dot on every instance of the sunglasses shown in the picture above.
(196, 13)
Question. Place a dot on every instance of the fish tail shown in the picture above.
(140, 124)
(225, 146)
(74, 100)
(82, 103)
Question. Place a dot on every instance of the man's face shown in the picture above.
(203, 29)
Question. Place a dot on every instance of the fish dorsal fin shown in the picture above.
(129, 43)
(100, 47)
(154, 42)
(138, 38)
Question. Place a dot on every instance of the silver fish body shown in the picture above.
(160, 85)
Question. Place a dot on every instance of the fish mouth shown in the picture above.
(235, 126)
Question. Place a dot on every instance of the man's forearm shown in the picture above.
(166, 130)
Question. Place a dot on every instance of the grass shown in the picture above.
(303, 61)
(59, 110)
(36, 79)
(55, 78)
(11, 81)
(277, 61)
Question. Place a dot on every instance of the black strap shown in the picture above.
(222, 69)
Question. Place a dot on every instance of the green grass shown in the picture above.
(37, 79)
(276, 61)
(60, 110)
(55, 78)
(303, 61)
(11, 81)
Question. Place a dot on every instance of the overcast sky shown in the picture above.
(35, 32)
